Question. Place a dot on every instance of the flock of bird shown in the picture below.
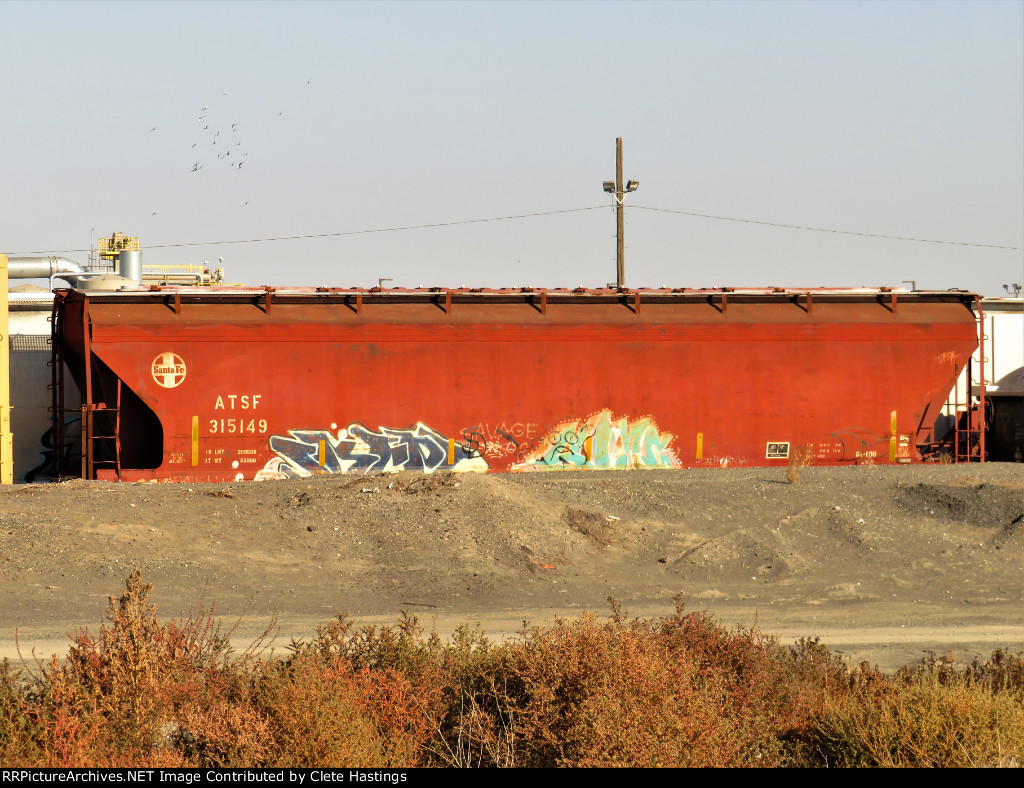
(229, 143)
(218, 137)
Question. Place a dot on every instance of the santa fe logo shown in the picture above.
(169, 370)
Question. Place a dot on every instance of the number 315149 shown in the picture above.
(233, 426)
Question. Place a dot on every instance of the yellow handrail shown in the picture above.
(110, 248)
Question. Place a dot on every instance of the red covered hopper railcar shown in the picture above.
(221, 384)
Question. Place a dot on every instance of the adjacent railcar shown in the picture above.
(222, 384)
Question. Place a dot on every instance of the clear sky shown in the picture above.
(885, 118)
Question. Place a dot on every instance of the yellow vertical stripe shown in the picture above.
(322, 453)
(195, 441)
(451, 451)
(700, 445)
(892, 440)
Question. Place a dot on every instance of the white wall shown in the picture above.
(1003, 351)
(30, 380)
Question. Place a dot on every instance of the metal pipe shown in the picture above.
(44, 268)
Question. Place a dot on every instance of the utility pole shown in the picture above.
(619, 191)
(620, 219)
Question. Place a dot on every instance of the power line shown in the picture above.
(822, 229)
(348, 232)
(532, 215)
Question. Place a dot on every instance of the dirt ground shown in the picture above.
(883, 563)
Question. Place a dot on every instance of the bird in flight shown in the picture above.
(204, 108)
(153, 129)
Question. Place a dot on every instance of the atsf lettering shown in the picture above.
(237, 402)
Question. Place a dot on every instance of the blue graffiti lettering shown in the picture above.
(358, 449)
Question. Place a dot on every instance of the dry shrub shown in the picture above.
(17, 730)
(391, 677)
(46, 720)
(591, 524)
(317, 718)
(109, 702)
(681, 691)
(922, 722)
(1002, 672)
(800, 458)
(223, 734)
(675, 691)
(477, 731)
(146, 673)
(813, 663)
(471, 714)
(429, 702)
(337, 716)
(401, 646)
(65, 725)
(400, 711)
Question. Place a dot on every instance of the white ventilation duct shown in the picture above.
(45, 268)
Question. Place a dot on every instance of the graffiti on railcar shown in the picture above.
(602, 442)
(358, 449)
(514, 440)
(858, 444)
(71, 450)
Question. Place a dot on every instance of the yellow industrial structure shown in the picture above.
(110, 248)
(6, 438)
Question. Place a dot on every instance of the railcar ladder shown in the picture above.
(58, 432)
(110, 418)
(90, 438)
(969, 418)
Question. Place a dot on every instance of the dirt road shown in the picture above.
(883, 563)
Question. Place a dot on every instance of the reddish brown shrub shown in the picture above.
(678, 692)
